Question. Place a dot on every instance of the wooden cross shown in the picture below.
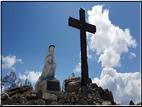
(83, 26)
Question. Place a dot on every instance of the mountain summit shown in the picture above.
(11, 81)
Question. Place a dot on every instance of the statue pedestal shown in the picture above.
(48, 86)
(53, 85)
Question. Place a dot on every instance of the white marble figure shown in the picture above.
(48, 72)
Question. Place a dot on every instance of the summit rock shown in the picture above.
(91, 95)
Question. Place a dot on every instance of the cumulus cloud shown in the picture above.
(89, 56)
(109, 41)
(31, 75)
(124, 86)
(132, 55)
(77, 68)
(9, 61)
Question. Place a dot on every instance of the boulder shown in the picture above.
(4, 96)
(72, 99)
(62, 100)
(77, 99)
(72, 84)
(55, 103)
(131, 103)
(61, 95)
(18, 99)
(31, 102)
(94, 85)
(67, 99)
(107, 96)
(83, 101)
(41, 102)
(20, 90)
(140, 103)
(49, 97)
(106, 103)
(46, 96)
(31, 97)
(7, 101)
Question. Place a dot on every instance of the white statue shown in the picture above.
(49, 69)
(48, 72)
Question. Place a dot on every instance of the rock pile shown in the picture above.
(74, 94)
(92, 94)
(72, 84)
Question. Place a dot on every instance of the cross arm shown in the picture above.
(90, 28)
(77, 24)
(74, 23)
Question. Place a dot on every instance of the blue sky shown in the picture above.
(29, 28)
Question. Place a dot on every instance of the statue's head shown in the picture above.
(51, 46)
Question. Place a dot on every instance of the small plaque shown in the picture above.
(53, 85)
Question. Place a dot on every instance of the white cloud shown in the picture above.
(23, 77)
(89, 56)
(31, 75)
(124, 86)
(77, 68)
(109, 41)
(9, 61)
(132, 55)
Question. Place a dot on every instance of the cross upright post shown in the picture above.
(83, 26)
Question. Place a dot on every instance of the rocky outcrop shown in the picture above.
(91, 95)
(72, 84)
(132, 103)
(74, 94)
(16, 95)
(70, 76)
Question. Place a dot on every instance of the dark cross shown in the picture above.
(83, 26)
